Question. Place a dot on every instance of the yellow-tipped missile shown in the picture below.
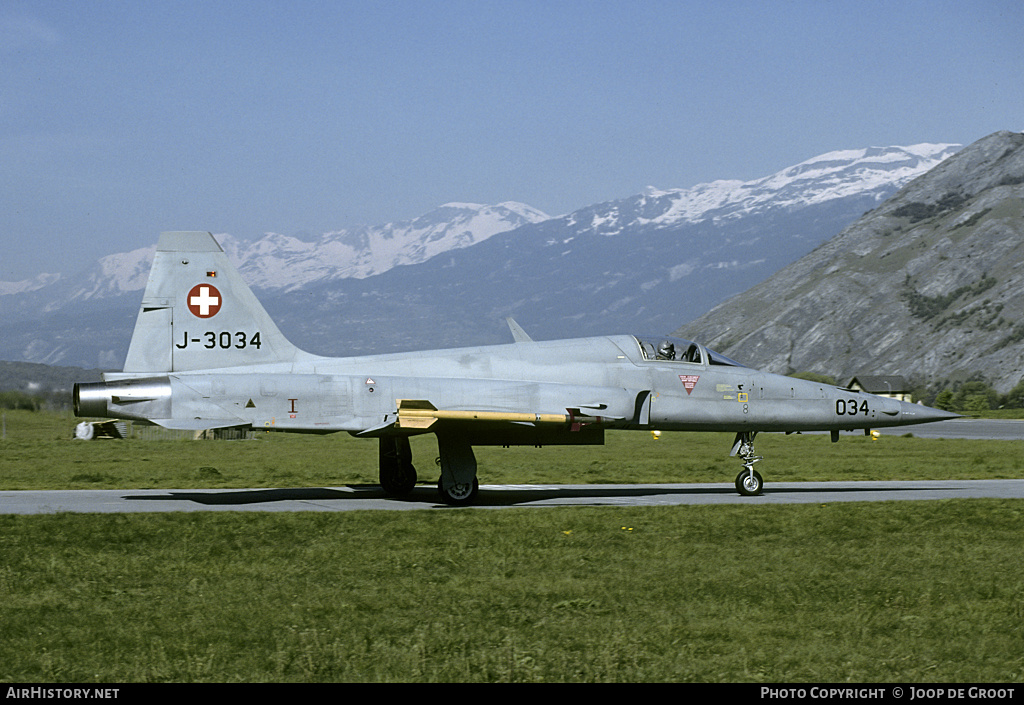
(421, 414)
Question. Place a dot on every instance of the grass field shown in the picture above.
(862, 592)
(38, 453)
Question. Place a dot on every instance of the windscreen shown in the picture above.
(671, 349)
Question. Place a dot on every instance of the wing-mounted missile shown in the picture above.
(420, 414)
(500, 428)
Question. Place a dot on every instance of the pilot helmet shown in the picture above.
(667, 350)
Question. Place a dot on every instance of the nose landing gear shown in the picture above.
(748, 482)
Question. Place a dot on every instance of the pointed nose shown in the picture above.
(917, 413)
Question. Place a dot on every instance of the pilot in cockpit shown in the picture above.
(666, 351)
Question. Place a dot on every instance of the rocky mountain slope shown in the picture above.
(928, 285)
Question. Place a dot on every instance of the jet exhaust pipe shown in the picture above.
(141, 399)
(90, 399)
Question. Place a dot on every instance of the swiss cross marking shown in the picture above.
(204, 300)
(689, 382)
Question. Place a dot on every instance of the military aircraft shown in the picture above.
(206, 355)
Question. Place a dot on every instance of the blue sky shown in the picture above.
(119, 120)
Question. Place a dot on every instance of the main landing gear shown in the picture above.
(748, 482)
(397, 474)
(457, 486)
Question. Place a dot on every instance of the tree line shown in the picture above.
(972, 396)
(15, 399)
(975, 396)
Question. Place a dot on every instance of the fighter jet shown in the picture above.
(206, 355)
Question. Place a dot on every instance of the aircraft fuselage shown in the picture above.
(206, 355)
(605, 377)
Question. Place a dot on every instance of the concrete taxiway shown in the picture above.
(340, 499)
(979, 429)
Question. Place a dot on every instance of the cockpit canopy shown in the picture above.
(669, 349)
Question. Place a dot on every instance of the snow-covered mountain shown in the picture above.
(828, 177)
(27, 285)
(281, 262)
(285, 262)
(648, 262)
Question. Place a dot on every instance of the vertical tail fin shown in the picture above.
(198, 313)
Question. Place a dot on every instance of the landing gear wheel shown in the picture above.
(399, 482)
(397, 474)
(749, 483)
(459, 495)
(458, 485)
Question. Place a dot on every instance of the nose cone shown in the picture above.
(916, 413)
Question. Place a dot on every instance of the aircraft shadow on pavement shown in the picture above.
(580, 494)
(230, 497)
(426, 495)
(422, 494)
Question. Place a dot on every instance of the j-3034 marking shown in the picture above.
(223, 339)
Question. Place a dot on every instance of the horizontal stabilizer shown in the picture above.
(518, 334)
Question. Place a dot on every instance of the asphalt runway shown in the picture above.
(978, 429)
(371, 497)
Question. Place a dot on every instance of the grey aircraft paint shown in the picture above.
(205, 355)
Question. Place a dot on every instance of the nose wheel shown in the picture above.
(748, 482)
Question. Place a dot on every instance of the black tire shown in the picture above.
(398, 482)
(459, 495)
(397, 474)
(749, 486)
